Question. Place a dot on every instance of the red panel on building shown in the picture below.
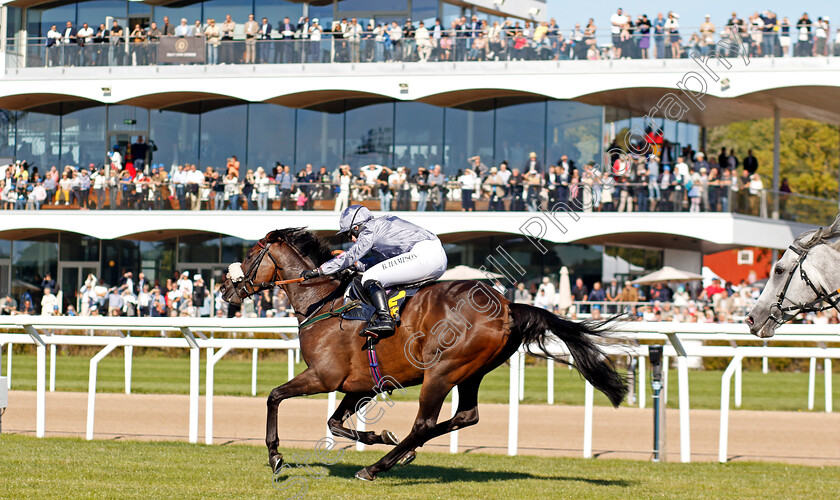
(747, 264)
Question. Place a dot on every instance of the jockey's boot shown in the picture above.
(381, 325)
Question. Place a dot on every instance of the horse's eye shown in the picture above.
(779, 270)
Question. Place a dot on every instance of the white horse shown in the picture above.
(805, 279)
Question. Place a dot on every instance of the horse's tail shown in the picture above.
(537, 326)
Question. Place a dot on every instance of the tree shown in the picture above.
(809, 157)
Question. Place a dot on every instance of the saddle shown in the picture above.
(362, 310)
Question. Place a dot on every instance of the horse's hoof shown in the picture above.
(364, 475)
(388, 437)
(407, 458)
(275, 461)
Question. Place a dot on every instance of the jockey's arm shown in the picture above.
(363, 245)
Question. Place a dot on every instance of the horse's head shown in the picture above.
(281, 255)
(800, 281)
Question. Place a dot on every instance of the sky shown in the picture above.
(568, 12)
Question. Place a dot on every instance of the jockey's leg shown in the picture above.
(382, 324)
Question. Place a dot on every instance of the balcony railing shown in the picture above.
(370, 48)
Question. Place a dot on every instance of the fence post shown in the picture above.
(724, 408)
(513, 404)
(195, 357)
(9, 365)
(129, 354)
(685, 428)
(91, 409)
(291, 354)
(41, 379)
(521, 375)
(453, 436)
(812, 381)
(330, 411)
(828, 389)
(642, 381)
(209, 386)
(52, 367)
(589, 393)
(254, 372)
(739, 380)
(550, 381)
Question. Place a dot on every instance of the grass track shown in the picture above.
(72, 468)
(773, 391)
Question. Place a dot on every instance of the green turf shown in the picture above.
(72, 468)
(773, 391)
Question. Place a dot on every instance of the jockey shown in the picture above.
(400, 253)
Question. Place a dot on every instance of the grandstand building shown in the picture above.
(315, 101)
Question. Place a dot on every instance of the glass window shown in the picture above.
(234, 249)
(237, 9)
(128, 118)
(370, 136)
(371, 5)
(39, 20)
(5, 249)
(450, 13)
(518, 132)
(95, 12)
(14, 24)
(223, 134)
(271, 136)
(418, 141)
(31, 261)
(78, 247)
(574, 130)
(324, 15)
(468, 133)
(198, 248)
(191, 12)
(83, 137)
(276, 10)
(38, 136)
(176, 136)
(7, 134)
(319, 138)
(157, 259)
(424, 10)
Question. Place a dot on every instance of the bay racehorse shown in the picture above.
(805, 279)
(450, 334)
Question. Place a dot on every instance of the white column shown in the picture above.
(129, 356)
(291, 354)
(91, 409)
(9, 365)
(685, 429)
(41, 384)
(589, 394)
(828, 396)
(360, 425)
(812, 381)
(453, 436)
(724, 409)
(513, 405)
(550, 381)
(642, 382)
(254, 372)
(195, 355)
(52, 367)
(665, 364)
(739, 378)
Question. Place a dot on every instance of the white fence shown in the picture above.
(192, 335)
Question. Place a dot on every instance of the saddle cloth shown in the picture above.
(397, 298)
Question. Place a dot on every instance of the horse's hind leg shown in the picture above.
(306, 383)
(432, 394)
(348, 406)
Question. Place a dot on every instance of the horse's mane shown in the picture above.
(827, 236)
(305, 241)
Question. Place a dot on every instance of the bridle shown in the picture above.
(252, 273)
(786, 313)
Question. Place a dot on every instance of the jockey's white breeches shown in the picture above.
(425, 260)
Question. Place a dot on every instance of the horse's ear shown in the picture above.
(833, 228)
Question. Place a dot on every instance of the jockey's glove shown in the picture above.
(308, 275)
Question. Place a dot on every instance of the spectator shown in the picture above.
(49, 303)
(521, 295)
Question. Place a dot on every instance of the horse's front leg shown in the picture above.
(306, 383)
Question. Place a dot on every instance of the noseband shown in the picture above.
(789, 312)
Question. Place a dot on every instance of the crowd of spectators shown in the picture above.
(683, 181)
(468, 38)
(137, 296)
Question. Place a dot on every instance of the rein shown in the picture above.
(832, 297)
